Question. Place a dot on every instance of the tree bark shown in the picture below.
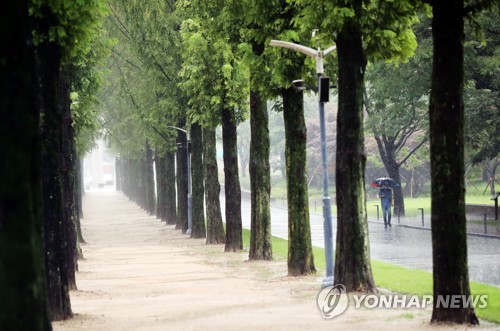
(141, 195)
(234, 239)
(118, 174)
(182, 182)
(170, 194)
(161, 186)
(260, 180)
(300, 256)
(446, 110)
(23, 293)
(388, 156)
(79, 201)
(52, 108)
(68, 153)
(125, 163)
(215, 227)
(79, 189)
(198, 230)
(149, 181)
(352, 256)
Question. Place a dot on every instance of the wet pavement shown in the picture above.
(410, 247)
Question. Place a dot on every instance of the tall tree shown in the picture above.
(149, 53)
(352, 259)
(182, 182)
(259, 166)
(300, 256)
(260, 180)
(68, 179)
(276, 21)
(62, 34)
(22, 280)
(170, 195)
(53, 91)
(149, 180)
(198, 230)
(218, 87)
(362, 31)
(215, 228)
(234, 235)
(161, 186)
(446, 114)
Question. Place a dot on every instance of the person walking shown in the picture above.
(385, 195)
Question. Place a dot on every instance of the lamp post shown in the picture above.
(190, 193)
(323, 85)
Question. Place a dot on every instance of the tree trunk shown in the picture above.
(215, 228)
(352, 256)
(68, 182)
(170, 194)
(198, 230)
(135, 178)
(234, 239)
(79, 201)
(125, 175)
(300, 256)
(149, 181)
(141, 196)
(118, 174)
(52, 107)
(161, 186)
(79, 190)
(446, 110)
(182, 183)
(387, 154)
(260, 180)
(23, 293)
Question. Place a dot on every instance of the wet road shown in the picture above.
(399, 245)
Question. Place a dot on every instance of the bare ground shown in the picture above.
(140, 274)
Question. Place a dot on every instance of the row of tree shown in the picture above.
(193, 65)
(206, 64)
(50, 80)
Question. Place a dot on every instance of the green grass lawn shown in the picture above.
(412, 205)
(397, 278)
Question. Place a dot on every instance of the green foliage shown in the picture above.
(385, 25)
(73, 27)
(273, 68)
(76, 26)
(143, 98)
(87, 78)
(398, 94)
(482, 88)
(212, 74)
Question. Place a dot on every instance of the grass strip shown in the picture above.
(396, 278)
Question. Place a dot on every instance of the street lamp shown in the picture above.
(190, 194)
(323, 89)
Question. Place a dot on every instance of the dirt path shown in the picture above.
(139, 274)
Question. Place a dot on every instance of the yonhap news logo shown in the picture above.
(332, 301)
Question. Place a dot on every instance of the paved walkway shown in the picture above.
(140, 274)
